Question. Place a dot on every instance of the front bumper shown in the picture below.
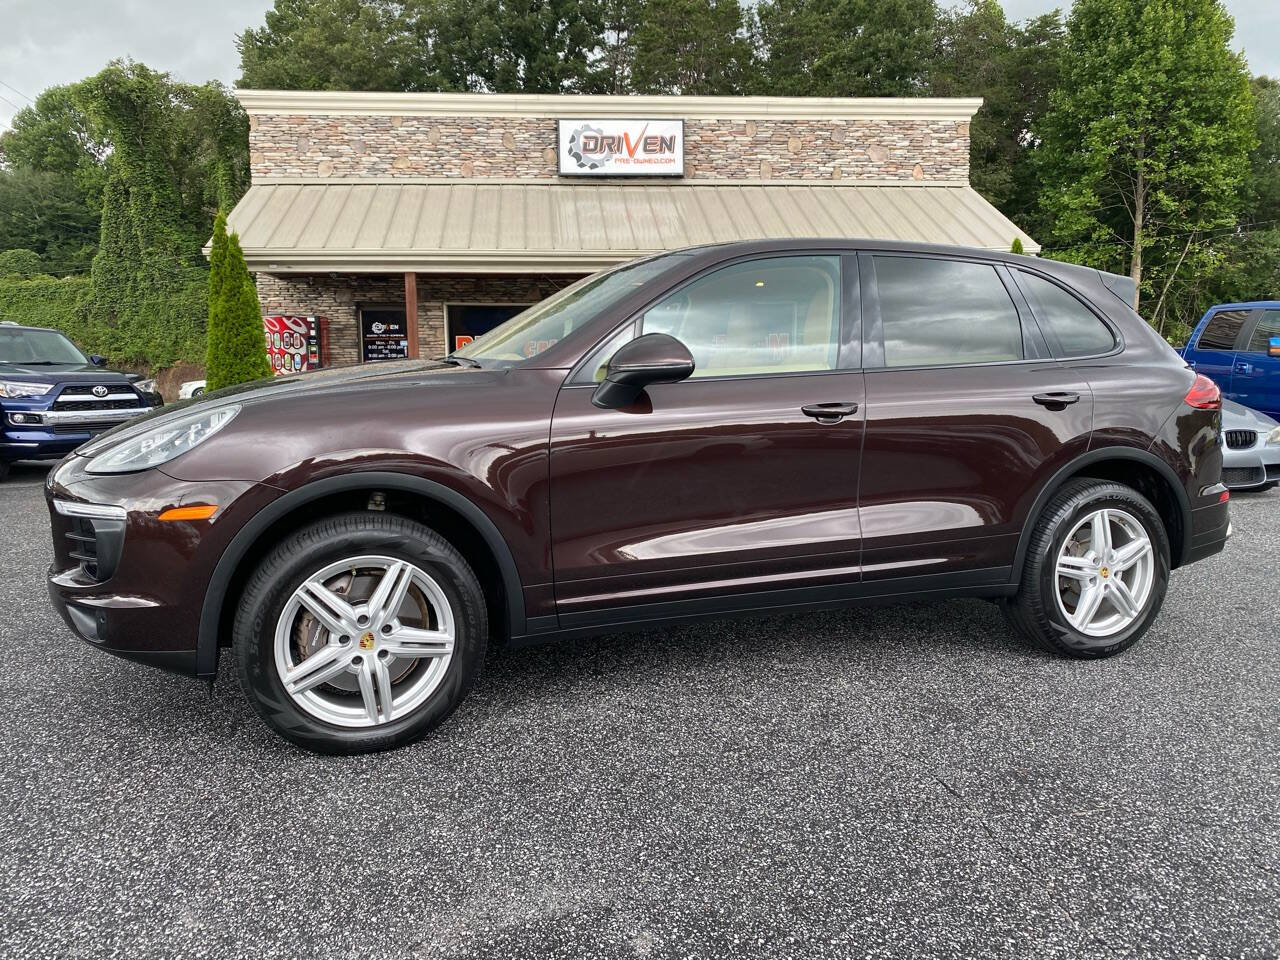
(28, 432)
(1247, 468)
(135, 586)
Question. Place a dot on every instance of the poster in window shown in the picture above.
(383, 336)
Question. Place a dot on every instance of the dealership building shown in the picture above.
(411, 222)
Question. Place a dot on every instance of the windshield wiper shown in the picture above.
(461, 361)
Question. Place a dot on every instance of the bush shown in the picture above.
(158, 336)
(19, 263)
(236, 348)
(47, 302)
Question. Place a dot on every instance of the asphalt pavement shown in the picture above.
(898, 781)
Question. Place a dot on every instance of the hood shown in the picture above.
(337, 379)
(63, 373)
(321, 387)
(1236, 416)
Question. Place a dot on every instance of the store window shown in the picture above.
(467, 321)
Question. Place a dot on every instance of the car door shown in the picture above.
(1255, 376)
(967, 416)
(1212, 350)
(733, 481)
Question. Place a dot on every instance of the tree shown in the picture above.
(52, 172)
(1013, 68)
(236, 353)
(47, 213)
(514, 46)
(844, 48)
(174, 158)
(692, 47)
(1248, 257)
(1147, 140)
(614, 62)
(335, 45)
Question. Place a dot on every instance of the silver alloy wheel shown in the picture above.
(1105, 573)
(364, 641)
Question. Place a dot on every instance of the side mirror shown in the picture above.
(653, 358)
(97, 360)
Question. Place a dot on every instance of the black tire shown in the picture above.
(4, 470)
(1034, 611)
(331, 540)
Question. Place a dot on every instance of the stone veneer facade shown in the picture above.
(340, 298)
(292, 138)
(301, 145)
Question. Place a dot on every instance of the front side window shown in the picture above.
(1078, 331)
(936, 312)
(1222, 329)
(37, 347)
(768, 316)
(544, 324)
(1268, 327)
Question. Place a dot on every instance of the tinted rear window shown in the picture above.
(1268, 327)
(1079, 332)
(945, 312)
(1223, 328)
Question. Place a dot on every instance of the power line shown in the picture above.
(17, 91)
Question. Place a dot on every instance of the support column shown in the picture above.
(411, 312)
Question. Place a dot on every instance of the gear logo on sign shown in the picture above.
(594, 161)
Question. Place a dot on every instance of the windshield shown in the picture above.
(37, 346)
(530, 332)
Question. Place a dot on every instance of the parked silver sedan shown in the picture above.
(1251, 448)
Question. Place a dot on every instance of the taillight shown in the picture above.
(1204, 394)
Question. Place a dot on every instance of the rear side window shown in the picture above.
(1268, 327)
(1078, 331)
(937, 312)
(1222, 329)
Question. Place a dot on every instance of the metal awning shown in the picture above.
(548, 226)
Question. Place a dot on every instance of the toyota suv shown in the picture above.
(53, 398)
(740, 428)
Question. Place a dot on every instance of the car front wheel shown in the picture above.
(360, 632)
(1096, 571)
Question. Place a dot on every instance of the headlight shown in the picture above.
(145, 386)
(13, 390)
(161, 444)
(1274, 436)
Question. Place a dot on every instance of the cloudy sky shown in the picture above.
(46, 42)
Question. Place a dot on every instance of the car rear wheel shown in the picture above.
(1096, 571)
(4, 469)
(360, 632)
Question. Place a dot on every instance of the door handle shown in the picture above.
(829, 412)
(1244, 366)
(1056, 400)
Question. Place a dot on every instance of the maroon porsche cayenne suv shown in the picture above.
(766, 426)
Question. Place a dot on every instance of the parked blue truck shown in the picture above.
(1237, 346)
(53, 398)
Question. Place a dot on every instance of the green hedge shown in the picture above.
(162, 334)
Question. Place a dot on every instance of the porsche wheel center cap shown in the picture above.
(366, 640)
(1102, 572)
